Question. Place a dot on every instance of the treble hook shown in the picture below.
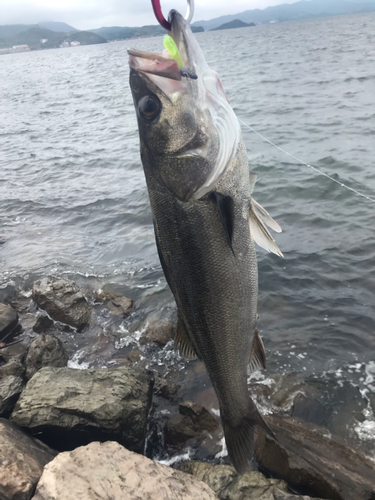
(161, 19)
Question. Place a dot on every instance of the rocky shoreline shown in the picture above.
(68, 433)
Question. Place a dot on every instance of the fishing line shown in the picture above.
(307, 164)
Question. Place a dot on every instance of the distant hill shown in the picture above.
(37, 37)
(56, 26)
(125, 32)
(236, 23)
(295, 11)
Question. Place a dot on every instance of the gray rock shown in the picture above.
(193, 421)
(306, 456)
(165, 388)
(43, 323)
(8, 320)
(107, 471)
(22, 459)
(160, 331)
(63, 301)
(69, 408)
(13, 352)
(45, 350)
(116, 302)
(228, 485)
(11, 385)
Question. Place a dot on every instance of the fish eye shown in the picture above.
(149, 106)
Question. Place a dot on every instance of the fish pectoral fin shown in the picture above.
(258, 354)
(225, 207)
(183, 343)
(258, 220)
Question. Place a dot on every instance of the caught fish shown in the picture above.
(205, 222)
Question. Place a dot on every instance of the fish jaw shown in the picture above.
(197, 128)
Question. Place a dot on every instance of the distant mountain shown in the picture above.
(37, 37)
(123, 33)
(55, 26)
(289, 12)
(236, 23)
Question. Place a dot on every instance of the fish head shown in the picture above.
(188, 130)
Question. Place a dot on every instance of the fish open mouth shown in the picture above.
(154, 64)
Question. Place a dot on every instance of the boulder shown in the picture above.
(117, 303)
(68, 408)
(107, 471)
(45, 350)
(228, 485)
(42, 324)
(8, 320)
(11, 385)
(22, 459)
(63, 301)
(192, 421)
(15, 351)
(160, 331)
(165, 388)
(310, 459)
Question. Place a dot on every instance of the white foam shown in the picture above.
(224, 452)
(74, 362)
(176, 458)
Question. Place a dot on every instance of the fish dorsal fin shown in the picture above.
(183, 343)
(265, 217)
(253, 179)
(258, 354)
(225, 208)
(258, 219)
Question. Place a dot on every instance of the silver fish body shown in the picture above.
(201, 219)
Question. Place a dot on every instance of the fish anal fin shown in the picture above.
(225, 207)
(183, 343)
(260, 233)
(258, 354)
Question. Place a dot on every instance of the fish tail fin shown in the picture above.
(240, 439)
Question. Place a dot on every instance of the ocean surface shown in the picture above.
(73, 201)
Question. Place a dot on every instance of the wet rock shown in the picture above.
(15, 351)
(106, 471)
(43, 323)
(22, 459)
(116, 302)
(68, 408)
(8, 320)
(308, 458)
(228, 485)
(134, 355)
(193, 421)
(45, 350)
(160, 331)
(63, 301)
(165, 389)
(11, 385)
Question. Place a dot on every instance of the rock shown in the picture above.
(193, 421)
(15, 352)
(63, 301)
(11, 385)
(45, 350)
(8, 320)
(307, 458)
(116, 302)
(165, 389)
(69, 408)
(228, 485)
(160, 331)
(43, 323)
(134, 355)
(22, 459)
(107, 471)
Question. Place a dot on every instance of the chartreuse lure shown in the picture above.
(172, 48)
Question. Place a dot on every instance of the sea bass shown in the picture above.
(205, 222)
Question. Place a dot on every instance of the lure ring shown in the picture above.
(161, 19)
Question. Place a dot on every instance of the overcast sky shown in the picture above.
(90, 14)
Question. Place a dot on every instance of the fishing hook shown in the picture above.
(161, 19)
